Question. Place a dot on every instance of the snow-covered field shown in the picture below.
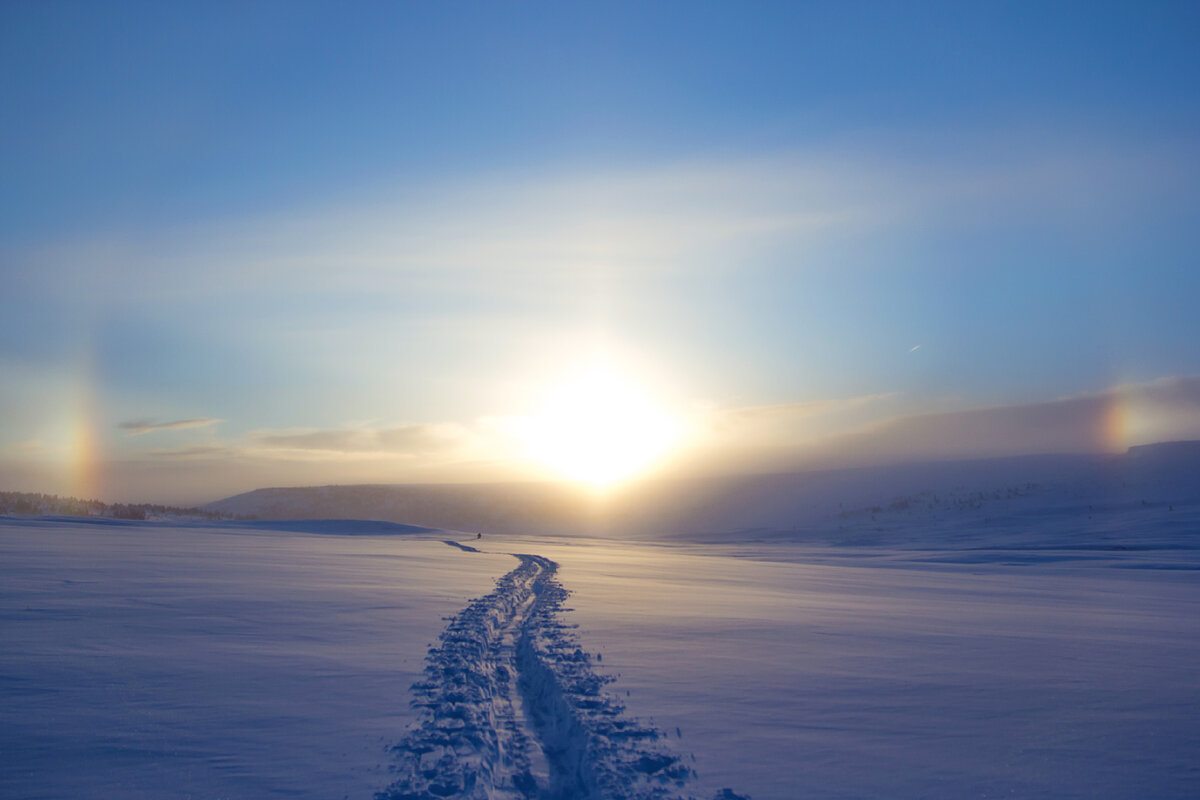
(258, 660)
(146, 661)
(867, 674)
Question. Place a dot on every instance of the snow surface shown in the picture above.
(847, 679)
(1004, 645)
(147, 661)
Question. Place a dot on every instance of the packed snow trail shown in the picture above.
(512, 710)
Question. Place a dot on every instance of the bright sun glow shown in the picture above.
(599, 428)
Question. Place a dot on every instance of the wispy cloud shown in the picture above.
(142, 426)
(823, 434)
(850, 431)
(791, 416)
(29, 448)
(402, 452)
(203, 451)
(806, 408)
(839, 432)
(551, 228)
(401, 440)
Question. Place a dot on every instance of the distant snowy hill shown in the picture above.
(943, 499)
(513, 508)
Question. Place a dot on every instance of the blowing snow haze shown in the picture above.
(826, 506)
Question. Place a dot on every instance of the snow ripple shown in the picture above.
(513, 710)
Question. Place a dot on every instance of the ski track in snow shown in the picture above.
(512, 710)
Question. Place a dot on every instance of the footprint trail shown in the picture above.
(511, 709)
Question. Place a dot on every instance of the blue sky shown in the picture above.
(343, 222)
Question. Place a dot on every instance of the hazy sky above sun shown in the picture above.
(249, 244)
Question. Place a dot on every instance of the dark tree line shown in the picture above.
(36, 503)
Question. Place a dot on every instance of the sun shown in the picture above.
(600, 428)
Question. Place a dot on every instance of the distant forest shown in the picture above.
(53, 505)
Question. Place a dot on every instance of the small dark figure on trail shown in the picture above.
(479, 536)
